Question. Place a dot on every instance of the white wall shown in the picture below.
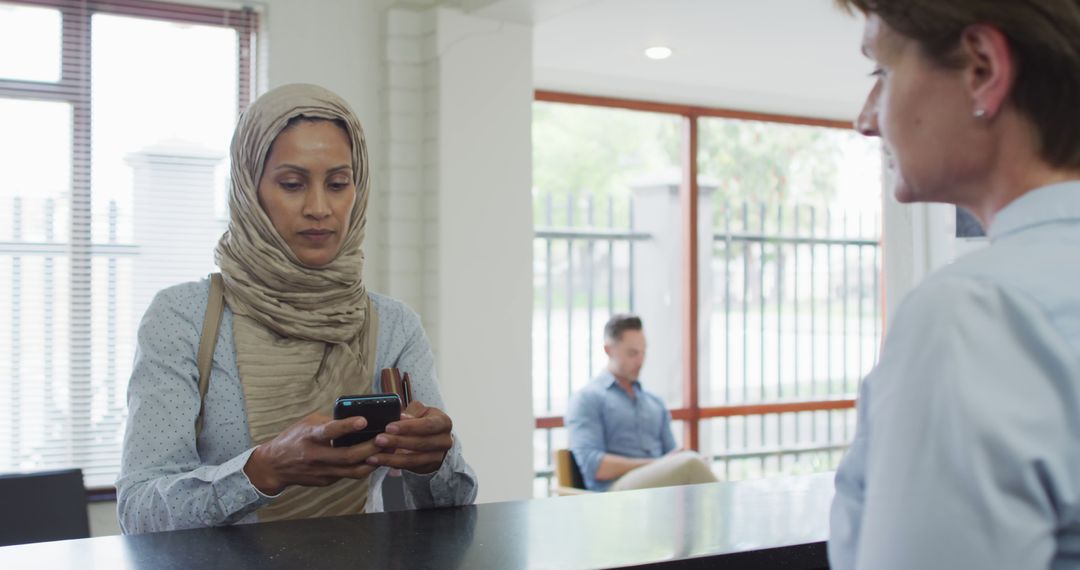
(408, 209)
(903, 256)
(102, 516)
(337, 44)
(459, 111)
(917, 239)
(485, 244)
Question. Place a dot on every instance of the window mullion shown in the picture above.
(245, 53)
(689, 193)
(36, 90)
(76, 73)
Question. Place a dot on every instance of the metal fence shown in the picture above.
(796, 316)
(584, 254)
(791, 311)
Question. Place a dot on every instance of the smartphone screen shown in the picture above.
(378, 409)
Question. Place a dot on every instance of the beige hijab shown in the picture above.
(304, 335)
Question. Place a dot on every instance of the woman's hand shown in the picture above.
(301, 455)
(417, 443)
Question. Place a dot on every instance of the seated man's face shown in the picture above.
(627, 355)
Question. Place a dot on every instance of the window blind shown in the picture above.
(116, 121)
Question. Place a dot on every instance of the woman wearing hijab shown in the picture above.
(298, 329)
(967, 451)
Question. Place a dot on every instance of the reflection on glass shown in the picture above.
(157, 181)
(545, 443)
(792, 297)
(34, 34)
(158, 176)
(35, 159)
(790, 261)
(606, 218)
(752, 447)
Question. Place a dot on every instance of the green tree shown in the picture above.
(771, 163)
(581, 150)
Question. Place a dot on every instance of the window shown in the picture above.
(790, 298)
(605, 209)
(787, 309)
(117, 122)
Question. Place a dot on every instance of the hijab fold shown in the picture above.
(304, 335)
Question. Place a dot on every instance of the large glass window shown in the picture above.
(791, 296)
(34, 34)
(788, 265)
(114, 160)
(606, 214)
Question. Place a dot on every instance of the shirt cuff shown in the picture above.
(421, 478)
(235, 491)
(424, 488)
(247, 454)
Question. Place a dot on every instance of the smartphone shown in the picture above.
(378, 409)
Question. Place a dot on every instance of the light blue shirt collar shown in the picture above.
(1048, 204)
(610, 380)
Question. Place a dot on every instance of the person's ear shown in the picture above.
(990, 70)
(607, 349)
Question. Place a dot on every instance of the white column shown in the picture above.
(917, 239)
(458, 222)
(658, 281)
(484, 245)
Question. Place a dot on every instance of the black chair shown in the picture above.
(37, 507)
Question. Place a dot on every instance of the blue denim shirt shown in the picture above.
(603, 418)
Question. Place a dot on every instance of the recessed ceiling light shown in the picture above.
(658, 52)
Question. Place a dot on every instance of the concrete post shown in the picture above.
(658, 275)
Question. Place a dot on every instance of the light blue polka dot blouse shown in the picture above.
(169, 481)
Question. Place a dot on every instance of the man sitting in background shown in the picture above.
(620, 434)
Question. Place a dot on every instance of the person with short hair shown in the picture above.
(620, 434)
(967, 449)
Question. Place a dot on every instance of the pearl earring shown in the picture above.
(979, 113)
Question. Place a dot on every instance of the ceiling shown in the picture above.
(798, 57)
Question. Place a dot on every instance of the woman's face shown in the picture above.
(307, 189)
(921, 111)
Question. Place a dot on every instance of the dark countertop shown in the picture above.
(769, 523)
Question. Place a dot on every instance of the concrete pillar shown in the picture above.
(658, 279)
(459, 243)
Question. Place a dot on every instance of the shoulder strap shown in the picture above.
(215, 307)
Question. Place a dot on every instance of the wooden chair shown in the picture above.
(569, 480)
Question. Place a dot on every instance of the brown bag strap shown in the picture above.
(215, 308)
